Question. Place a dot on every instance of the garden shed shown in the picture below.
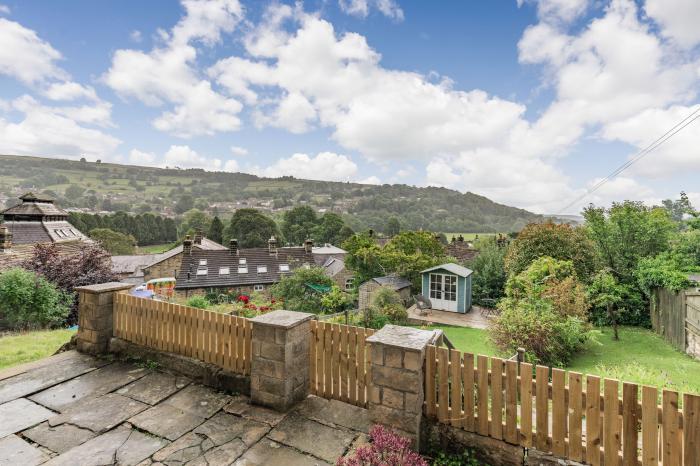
(449, 287)
(367, 289)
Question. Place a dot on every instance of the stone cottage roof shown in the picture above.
(392, 281)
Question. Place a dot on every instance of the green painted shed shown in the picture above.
(449, 287)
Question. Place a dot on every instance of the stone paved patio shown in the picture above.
(75, 410)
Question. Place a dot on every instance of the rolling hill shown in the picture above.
(100, 186)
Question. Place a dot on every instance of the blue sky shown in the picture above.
(528, 103)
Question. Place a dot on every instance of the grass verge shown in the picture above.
(19, 348)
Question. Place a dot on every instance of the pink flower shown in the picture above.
(386, 448)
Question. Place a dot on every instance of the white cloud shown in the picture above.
(4, 9)
(135, 36)
(167, 75)
(186, 157)
(361, 8)
(26, 57)
(678, 19)
(370, 180)
(70, 91)
(137, 157)
(326, 166)
(238, 150)
(53, 132)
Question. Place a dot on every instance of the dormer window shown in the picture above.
(241, 261)
(224, 270)
(262, 268)
(202, 262)
(243, 269)
(202, 271)
(284, 267)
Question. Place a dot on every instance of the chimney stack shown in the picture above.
(308, 245)
(198, 235)
(371, 233)
(5, 239)
(187, 245)
(272, 245)
(233, 246)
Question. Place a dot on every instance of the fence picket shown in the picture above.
(593, 420)
(559, 412)
(468, 384)
(611, 423)
(526, 405)
(443, 395)
(497, 398)
(575, 411)
(430, 385)
(650, 427)
(630, 423)
(511, 434)
(482, 367)
(352, 365)
(671, 437)
(691, 430)
(542, 408)
(456, 414)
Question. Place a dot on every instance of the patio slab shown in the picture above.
(21, 414)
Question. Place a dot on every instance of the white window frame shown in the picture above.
(284, 267)
(243, 269)
(258, 287)
(224, 270)
(201, 272)
(242, 261)
(262, 268)
(349, 284)
(202, 262)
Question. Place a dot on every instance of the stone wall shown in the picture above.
(167, 268)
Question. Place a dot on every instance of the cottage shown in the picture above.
(341, 275)
(234, 269)
(36, 220)
(368, 288)
(449, 287)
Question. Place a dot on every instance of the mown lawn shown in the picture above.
(155, 248)
(18, 348)
(640, 357)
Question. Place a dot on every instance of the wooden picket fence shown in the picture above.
(506, 401)
(212, 337)
(340, 362)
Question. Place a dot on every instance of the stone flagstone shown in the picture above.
(95, 383)
(240, 406)
(99, 414)
(223, 455)
(185, 449)
(20, 414)
(166, 421)
(198, 400)
(14, 451)
(269, 453)
(60, 438)
(122, 446)
(312, 437)
(154, 387)
(223, 428)
(46, 376)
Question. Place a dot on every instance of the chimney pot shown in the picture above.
(308, 245)
(371, 233)
(233, 246)
(187, 245)
(198, 235)
(272, 245)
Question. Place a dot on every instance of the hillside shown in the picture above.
(99, 186)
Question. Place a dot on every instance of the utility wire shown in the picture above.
(641, 154)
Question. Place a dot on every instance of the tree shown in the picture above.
(299, 224)
(251, 228)
(606, 293)
(489, 277)
(185, 203)
(114, 242)
(559, 241)
(296, 293)
(74, 192)
(332, 229)
(393, 227)
(193, 221)
(216, 230)
(30, 301)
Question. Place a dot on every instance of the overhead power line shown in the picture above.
(638, 156)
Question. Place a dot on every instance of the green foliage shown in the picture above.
(298, 224)
(560, 241)
(393, 227)
(335, 300)
(661, 271)
(295, 293)
(489, 278)
(200, 302)
(73, 192)
(465, 457)
(114, 242)
(216, 230)
(373, 317)
(406, 255)
(146, 228)
(28, 300)
(251, 228)
(185, 203)
(193, 221)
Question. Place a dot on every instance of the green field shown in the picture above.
(23, 347)
(155, 248)
(470, 236)
(640, 356)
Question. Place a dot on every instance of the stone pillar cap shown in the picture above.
(282, 319)
(403, 337)
(104, 287)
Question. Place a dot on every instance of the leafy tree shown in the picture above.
(114, 242)
(331, 229)
(251, 228)
(559, 241)
(28, 300)
(185, 203)
(216, 230)
(293, 289)
(193, 221)
(335, 300)
(74, 192)
(393, 227)
(678, 208)
(90, 266)
(606, 293)
(489, 277)
(299, 224)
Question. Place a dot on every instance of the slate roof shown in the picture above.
(450, 267)
(132, 264)
(34, 206)
(461, 250)
(206, 244)
(213, 261)
(30, 232)
(333, 266)
(392, 281)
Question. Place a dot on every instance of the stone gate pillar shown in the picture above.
(397, 379)
(96, 315)
(279, 372)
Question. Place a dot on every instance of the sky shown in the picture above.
(529, 103)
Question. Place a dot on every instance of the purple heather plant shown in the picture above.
(386, 448)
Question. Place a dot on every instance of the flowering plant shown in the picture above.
(244, 298)
(386, 448)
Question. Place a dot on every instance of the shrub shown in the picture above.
(396, 314)
(548, 337)
(386, 448)
(28, 300)
(297, 295)
(200, 302)
(373, 317)
(385, 296)
(489, 277)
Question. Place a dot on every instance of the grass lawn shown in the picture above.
(18, 348)
(640, 356)
(155, 248)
